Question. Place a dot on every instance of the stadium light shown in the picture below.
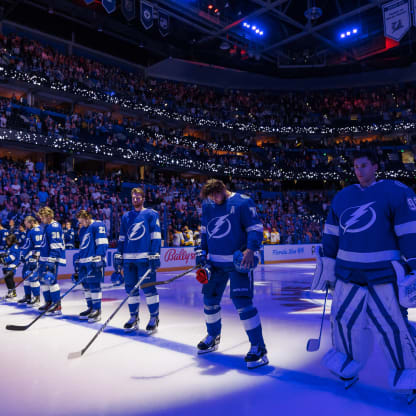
(350, 33)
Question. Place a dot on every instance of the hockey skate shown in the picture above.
(349, 382)
(94, 316)
(24, 300)
(34, 302)
(84, 315)
(11, 294)
(256, 357)
(132, 324)
(56, 310)
(208, 344)
(151, 327)
(45, 306)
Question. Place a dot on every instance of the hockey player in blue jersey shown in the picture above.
(4, 232)
(369, 247)
(10, 260)
(21, 235)
(52, 255)
(139, 245)
(69, 236)
(30, 253)
(91, 263)
(231, 233)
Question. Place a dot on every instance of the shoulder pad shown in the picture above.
(401, 185)
(55, 224)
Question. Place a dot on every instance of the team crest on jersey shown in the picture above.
(358, 219)
(219, 227)
(85, 241)
(136, 231)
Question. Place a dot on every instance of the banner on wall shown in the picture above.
(396, 16)
(146, 14)
(164, 23)
(128, 8)
(109, 5)
(289, 253)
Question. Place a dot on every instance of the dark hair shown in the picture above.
(11, 239)
(211, 187)
(370, 155)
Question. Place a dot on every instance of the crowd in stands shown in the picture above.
(216, 107)
(27, 186)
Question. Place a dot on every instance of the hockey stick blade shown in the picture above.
(75, 354)
(17, 327)
(313, 345)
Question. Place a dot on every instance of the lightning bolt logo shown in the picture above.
(355, 216)
(215, 225)
(85, 241)
(134, 231)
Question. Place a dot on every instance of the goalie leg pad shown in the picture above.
(352, 339)
(396, 337)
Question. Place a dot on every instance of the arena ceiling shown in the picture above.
(301, 38)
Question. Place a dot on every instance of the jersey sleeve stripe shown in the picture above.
(405, 228)
(100, 241)
(369, 257)
(331, 229)
(156, 236)
(57, 246)
(255, 227)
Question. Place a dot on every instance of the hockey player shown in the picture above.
(91, 261)
(139, 244)
(30, 256)
(69, 236)
(188, 236)
(21, 235)
(178, 239)
(52, 255)
(10, 260)
(230, 225)
(370, 226)
(4, 232)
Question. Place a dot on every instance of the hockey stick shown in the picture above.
(24, 327)
(165, 282)
(313, 343)
(23, 279)
(78, 354)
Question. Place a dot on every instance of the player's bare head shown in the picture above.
(30, 222)
(137, 197)
(84, 217)
(365, 167)
(215, 190)
(11, 240)
(46, 215)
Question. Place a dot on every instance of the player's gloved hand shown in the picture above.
(2, 257)
(200, 256)
(50, 267)
(98, 262)
(32, 263)
(75, 277)
(407, 290)
(203, 275)
(154, 261)
(324, 273)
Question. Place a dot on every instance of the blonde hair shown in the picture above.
(137, 191)
(83, 214)
(46, 212)
(31, 220)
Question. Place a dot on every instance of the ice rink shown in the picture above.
(136, 374)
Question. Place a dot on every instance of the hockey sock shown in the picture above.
(251, 322)
(134, 302)
(87, 295)
(152, 300)
(46, 293)
(26, 288)
(55, 292)
(96, 296)
(213, 319)
(35, 288)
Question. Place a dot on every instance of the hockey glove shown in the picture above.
(118, 262)
(237, 260)
(75, 278)
(407, 290)
(324, 273)
(200, 256)
(154, 261)
(2, 257)
(31, 275)
(203, 275)
(32, 263)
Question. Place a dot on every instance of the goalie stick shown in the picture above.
(24, 327)
(314, 344)
(78, 354)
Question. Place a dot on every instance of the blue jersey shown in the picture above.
(52, 249)
(94, 242)
(140, 235)
(69, 237)
(21, 237)
(3, 234)
(31, 247)
(231, 226)
(368, 228)
(13, 258)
